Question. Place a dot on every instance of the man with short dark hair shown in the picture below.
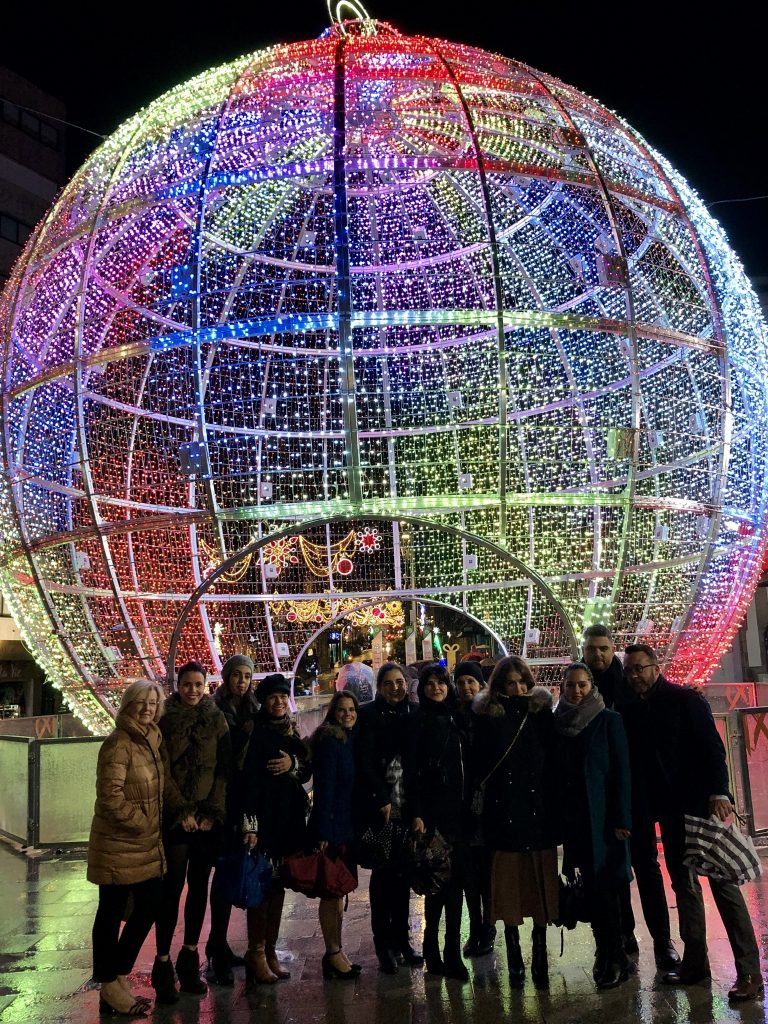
(678, 768)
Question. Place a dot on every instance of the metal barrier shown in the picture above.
(753, 742)
(48, 786)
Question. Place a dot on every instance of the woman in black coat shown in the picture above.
(274, 805)
(595, 812)
(514, 765)
(379, 798)
(236, 701)
(330, 823)
(436, 791)
(469, 680)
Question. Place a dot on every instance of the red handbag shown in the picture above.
(317, 875)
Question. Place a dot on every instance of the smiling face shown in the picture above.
(276, 705)
(143, 710)
(514, 685)
(576, 686)
(393, 686)
(191, 688)
(239, 681)
(435, 689)
(345, 713)
(467, 687)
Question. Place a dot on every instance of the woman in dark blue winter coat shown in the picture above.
(436, 797)
(595, 812)
(330, 823)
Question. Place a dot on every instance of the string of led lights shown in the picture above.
(419, 295)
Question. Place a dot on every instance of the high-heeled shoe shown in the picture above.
(137, 1008)
(333, 973)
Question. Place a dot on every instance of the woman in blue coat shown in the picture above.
(595, 812)
(330, 823)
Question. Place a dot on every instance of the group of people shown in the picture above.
(490, 765)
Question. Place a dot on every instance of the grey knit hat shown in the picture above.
(236, 661)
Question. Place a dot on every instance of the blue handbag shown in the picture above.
(244, 877)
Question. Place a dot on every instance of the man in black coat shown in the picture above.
(599, 653)
(678, 768)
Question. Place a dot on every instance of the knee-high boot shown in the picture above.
(539, 961)
(515, 964)
(274, 917)
(256, 966)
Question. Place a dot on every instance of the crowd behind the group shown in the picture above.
(482, 758)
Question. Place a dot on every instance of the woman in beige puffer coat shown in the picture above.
(125, 849)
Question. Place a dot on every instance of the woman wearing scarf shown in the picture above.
(274, 804)
(436, 795)
(595, 811)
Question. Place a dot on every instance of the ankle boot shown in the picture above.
(539, 961)
(256, 966)
(188, 970)
(164, 982)
(274, 917)
(431, 951)
(515, 964)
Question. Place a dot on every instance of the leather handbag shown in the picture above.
(572, 902)
(317, 875)
(430, 862)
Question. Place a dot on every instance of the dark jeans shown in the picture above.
(690, 904)
(190, 861)
(476, 879)
(449, 899)
(115, 952)
(389, 895)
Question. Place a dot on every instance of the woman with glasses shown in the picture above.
(595, 812)
(125, 849)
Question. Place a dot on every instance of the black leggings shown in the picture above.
(115, 952)
(190, 861)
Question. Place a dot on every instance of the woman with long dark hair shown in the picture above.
(273, 805)
(236, 701)
(197, 758)
(514, 766)
(436, 789)
(595, 803)
(331, 826)
(125, 848)
(380, 793)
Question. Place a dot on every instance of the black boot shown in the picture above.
(188, 970)
(220, 965)
(164, 981)
(431, 950)
(539, 961)
(515, 964)
(387, 960)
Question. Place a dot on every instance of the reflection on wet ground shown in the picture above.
(45, 968)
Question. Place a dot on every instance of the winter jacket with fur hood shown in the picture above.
(125, 846)
(197, 753)
(520, 807)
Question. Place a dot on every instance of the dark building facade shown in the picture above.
(32, 165)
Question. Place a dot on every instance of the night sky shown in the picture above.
(691, 86)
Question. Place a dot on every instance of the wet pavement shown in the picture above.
(47, 909)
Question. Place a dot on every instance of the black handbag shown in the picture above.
(381, 844)
(573, 902)
(430, 862)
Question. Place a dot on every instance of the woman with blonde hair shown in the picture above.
(125, 849)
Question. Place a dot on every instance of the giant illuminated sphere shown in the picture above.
(429, 324)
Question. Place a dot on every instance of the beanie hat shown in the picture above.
(469, 668)
(236, 661)
(276, 683)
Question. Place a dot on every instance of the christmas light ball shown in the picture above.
(426, 325)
